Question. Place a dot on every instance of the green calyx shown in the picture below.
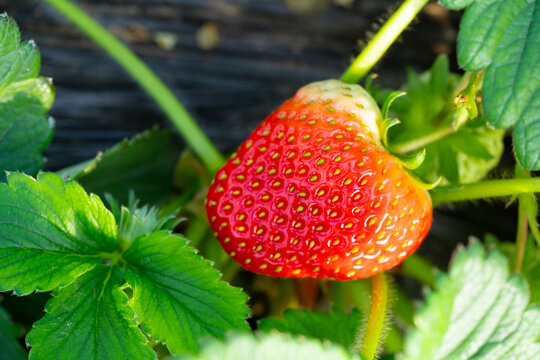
(410, 162)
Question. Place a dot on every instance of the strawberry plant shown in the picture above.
(300, 245)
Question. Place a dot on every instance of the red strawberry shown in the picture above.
(312, 192)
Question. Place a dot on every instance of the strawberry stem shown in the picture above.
(377, 315)
(148, 80)
(521, 237)
(484, 189)
(385, 37)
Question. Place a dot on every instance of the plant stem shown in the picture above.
(404, 147)
(485, 189)
(376, 48)
(163, 96)
(379, 304)
(521, 237)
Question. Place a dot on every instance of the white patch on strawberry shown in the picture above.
(348, 98)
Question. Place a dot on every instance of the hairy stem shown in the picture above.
(385, 37)
(408, 146)
(148, 80)
(521, 238)
(377, 315)
(485, 189)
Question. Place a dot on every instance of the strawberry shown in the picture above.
(313, 193)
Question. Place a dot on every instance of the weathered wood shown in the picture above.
(264, 53)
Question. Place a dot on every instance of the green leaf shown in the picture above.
(89, 319)
(529, 204)
(131, 165)
(511, 80)
(270, 346)
(9, 347)
(414, 161)
(440, 72)
(134, 220)
(402, 306)
(512, 83)
(20, 61)
(503, 35)
(178, 295)
(336, 326)
(482, 28)
(478, 311)
(468, 144)
(25, 129)
(527, 134)
(385, 125)
(533, 276)
(455, 4)
(420, 269)
(473, 168)
(449, 165)
(388, 102)
(531, 261)
(424, 104)
(51, 232)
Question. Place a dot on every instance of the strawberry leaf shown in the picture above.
(533, 276)
(449, 165)
(89, 319)
(512, 83)
(51, 232)
(455, 4)
(482, 28)
(529, 204)
(527, 132)
(477, 311)
(336, 326)
(178, 295)
(54, 235)
(269, 347)
(9, 347)
(503, 35)
(25, 129)
(129, 166)
(469, 144)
